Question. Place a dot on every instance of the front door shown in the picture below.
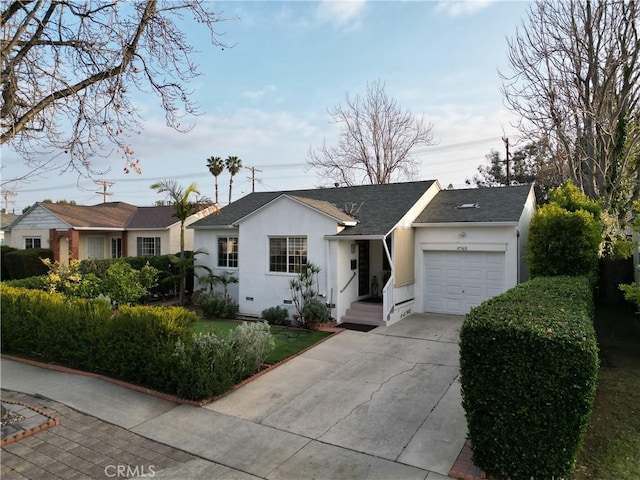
(363, 267)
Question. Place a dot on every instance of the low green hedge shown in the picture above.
(134, 343)
(529, 365)
(150, 346)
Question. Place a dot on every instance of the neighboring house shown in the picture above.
(5, 220)
(411, 246)
(106, 230)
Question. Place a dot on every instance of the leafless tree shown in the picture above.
(375, 141)
(69, 69)
(575, 80)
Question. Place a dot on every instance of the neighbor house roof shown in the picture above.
(376, 208)
(112, 216)
(499, 204)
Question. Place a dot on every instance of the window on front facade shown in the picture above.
(148, 246)
(228, 252)
(116, 248)
(32, 242)
(287, 253)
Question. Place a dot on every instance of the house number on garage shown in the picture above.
(462, 248)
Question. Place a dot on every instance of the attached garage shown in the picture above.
(455, 281)
(469, 247)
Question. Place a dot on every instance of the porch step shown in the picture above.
(364, 313)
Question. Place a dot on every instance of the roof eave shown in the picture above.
(466, 224)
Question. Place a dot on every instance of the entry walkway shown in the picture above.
(359, 405)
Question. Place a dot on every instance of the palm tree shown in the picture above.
(184, 208)
(234, 165)
(216, 167)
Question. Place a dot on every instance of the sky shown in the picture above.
(266, 99)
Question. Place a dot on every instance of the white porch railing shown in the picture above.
(387, 299)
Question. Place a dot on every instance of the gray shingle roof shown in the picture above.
(153, 217)
(377, 208)
(500, 204)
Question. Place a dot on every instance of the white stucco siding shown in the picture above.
(207, 240)
(165, 241)
(18, 235)
(258, 287)
(475, 239)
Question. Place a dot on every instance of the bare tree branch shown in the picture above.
(69, 69)
(575, 80)
(375, 143)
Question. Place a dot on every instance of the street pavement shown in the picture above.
(379, 405)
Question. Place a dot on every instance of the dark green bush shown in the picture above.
(215, 305)
(276, 315)
(562, 242)
(4, 249)
(529, 364)
(134, 343)
(26, 263)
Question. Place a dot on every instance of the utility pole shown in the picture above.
(105, 186)
(253, 177)
(506, 146)
(6, 194)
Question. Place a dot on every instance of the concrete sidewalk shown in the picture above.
(360, 405)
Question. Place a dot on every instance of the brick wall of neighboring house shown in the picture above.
(73, 237)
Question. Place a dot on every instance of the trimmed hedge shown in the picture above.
(134, 343)
(150, 346)
(25, 263)
(529, 365)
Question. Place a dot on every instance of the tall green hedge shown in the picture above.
(25, 263)
(529, 364)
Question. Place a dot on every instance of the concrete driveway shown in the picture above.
(393, 393)
(379, 405)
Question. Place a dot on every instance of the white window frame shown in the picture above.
(291, 255)
(228, 256)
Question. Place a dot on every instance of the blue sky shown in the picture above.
(265, 99)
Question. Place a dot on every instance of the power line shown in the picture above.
(105, 186)
(253, 177)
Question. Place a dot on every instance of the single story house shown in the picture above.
(5, 220)
(105, 230)
(384, 250)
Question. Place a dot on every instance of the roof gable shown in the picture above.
(480, 205)
(377, 208)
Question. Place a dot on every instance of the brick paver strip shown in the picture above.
(80, 447)
(49, 422)
(464, 468)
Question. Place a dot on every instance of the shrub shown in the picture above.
(207, 365)
(26, 263)
(134, 344)
(529, 365)
(124, 284)
(276, 315)
(4, 273)
(315, 310)
(214, 304)
(32, 283)
(204, 366)
(562, 242)
(67, 280)
(251, 343)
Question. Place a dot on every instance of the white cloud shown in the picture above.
(341, 13)
(456, 8)
(258, 94)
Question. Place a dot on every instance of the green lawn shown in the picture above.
(612, 443)
(288, 341)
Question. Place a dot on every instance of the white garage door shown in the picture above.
(456, 281)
